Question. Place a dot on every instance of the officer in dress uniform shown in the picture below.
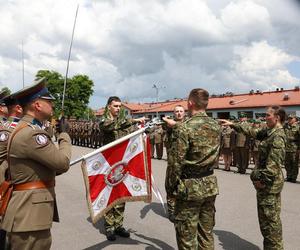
(33, 163)
(159, 142)
(242, 147)
(15, 112)
(3, 108)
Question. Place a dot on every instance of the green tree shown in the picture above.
(6, 89)
(78, 92)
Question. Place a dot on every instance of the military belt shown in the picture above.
(34, 185)
(195, 175)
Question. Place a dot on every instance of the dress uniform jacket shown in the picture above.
(34, 157)
(5, 131)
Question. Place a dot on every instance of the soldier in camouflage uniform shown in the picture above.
(254, 144)
(292, 131)
(77, 133)
(267, 177)
(194, 185)
(114, 126)
(179, 115)
(93, 135)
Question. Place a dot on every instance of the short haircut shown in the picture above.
(113, 98)
(280, 112)
(178, 106)
(199, 97)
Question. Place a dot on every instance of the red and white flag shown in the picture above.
(117, 172)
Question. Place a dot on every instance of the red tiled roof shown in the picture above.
(165, 107)
(256, 100)
(263, 99)
(99, 112)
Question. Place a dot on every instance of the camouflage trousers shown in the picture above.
(291, 165)
(268, 208)
(114, 217)
(194, 222)
(171, 207)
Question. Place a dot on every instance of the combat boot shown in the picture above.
(111, 236)
(121, 231)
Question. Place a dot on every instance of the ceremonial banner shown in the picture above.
(117, 172)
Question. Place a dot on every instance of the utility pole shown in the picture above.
(23, 65)
(157, 88)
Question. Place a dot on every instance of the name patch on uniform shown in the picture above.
(4, 136)
(41, 139)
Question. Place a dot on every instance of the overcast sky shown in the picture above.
(126, 46)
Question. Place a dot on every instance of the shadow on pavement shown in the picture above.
(99, 225)
(157, 244)
(157, 208)
(231, 241)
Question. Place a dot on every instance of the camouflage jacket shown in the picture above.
(271, 152)
(293, 137)
(116, 128)
(196, 150)
(171, 153)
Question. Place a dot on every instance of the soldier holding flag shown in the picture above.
(114, 126)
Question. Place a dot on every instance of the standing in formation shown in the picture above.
(242, 147)
(14, 113)
(194, 184)
(179, 115)
(33, 162)
(227, 145)
(3, 108)
(267, 177)
(292, 131)
(115, 126)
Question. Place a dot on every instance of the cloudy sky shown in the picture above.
(126, 46)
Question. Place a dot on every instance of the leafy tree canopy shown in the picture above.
(79, 89)
(6, 89)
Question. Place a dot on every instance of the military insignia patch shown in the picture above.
(4, 136)
(41, 139)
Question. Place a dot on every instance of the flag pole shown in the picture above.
(141, 130)
(68, 62)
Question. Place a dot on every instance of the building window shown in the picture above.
(223, 115)
(249, 114)
(260, 115)
(209, 114)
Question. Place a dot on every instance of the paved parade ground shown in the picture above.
(236, 218)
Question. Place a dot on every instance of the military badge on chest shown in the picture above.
(41, 139)
(4, 136)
